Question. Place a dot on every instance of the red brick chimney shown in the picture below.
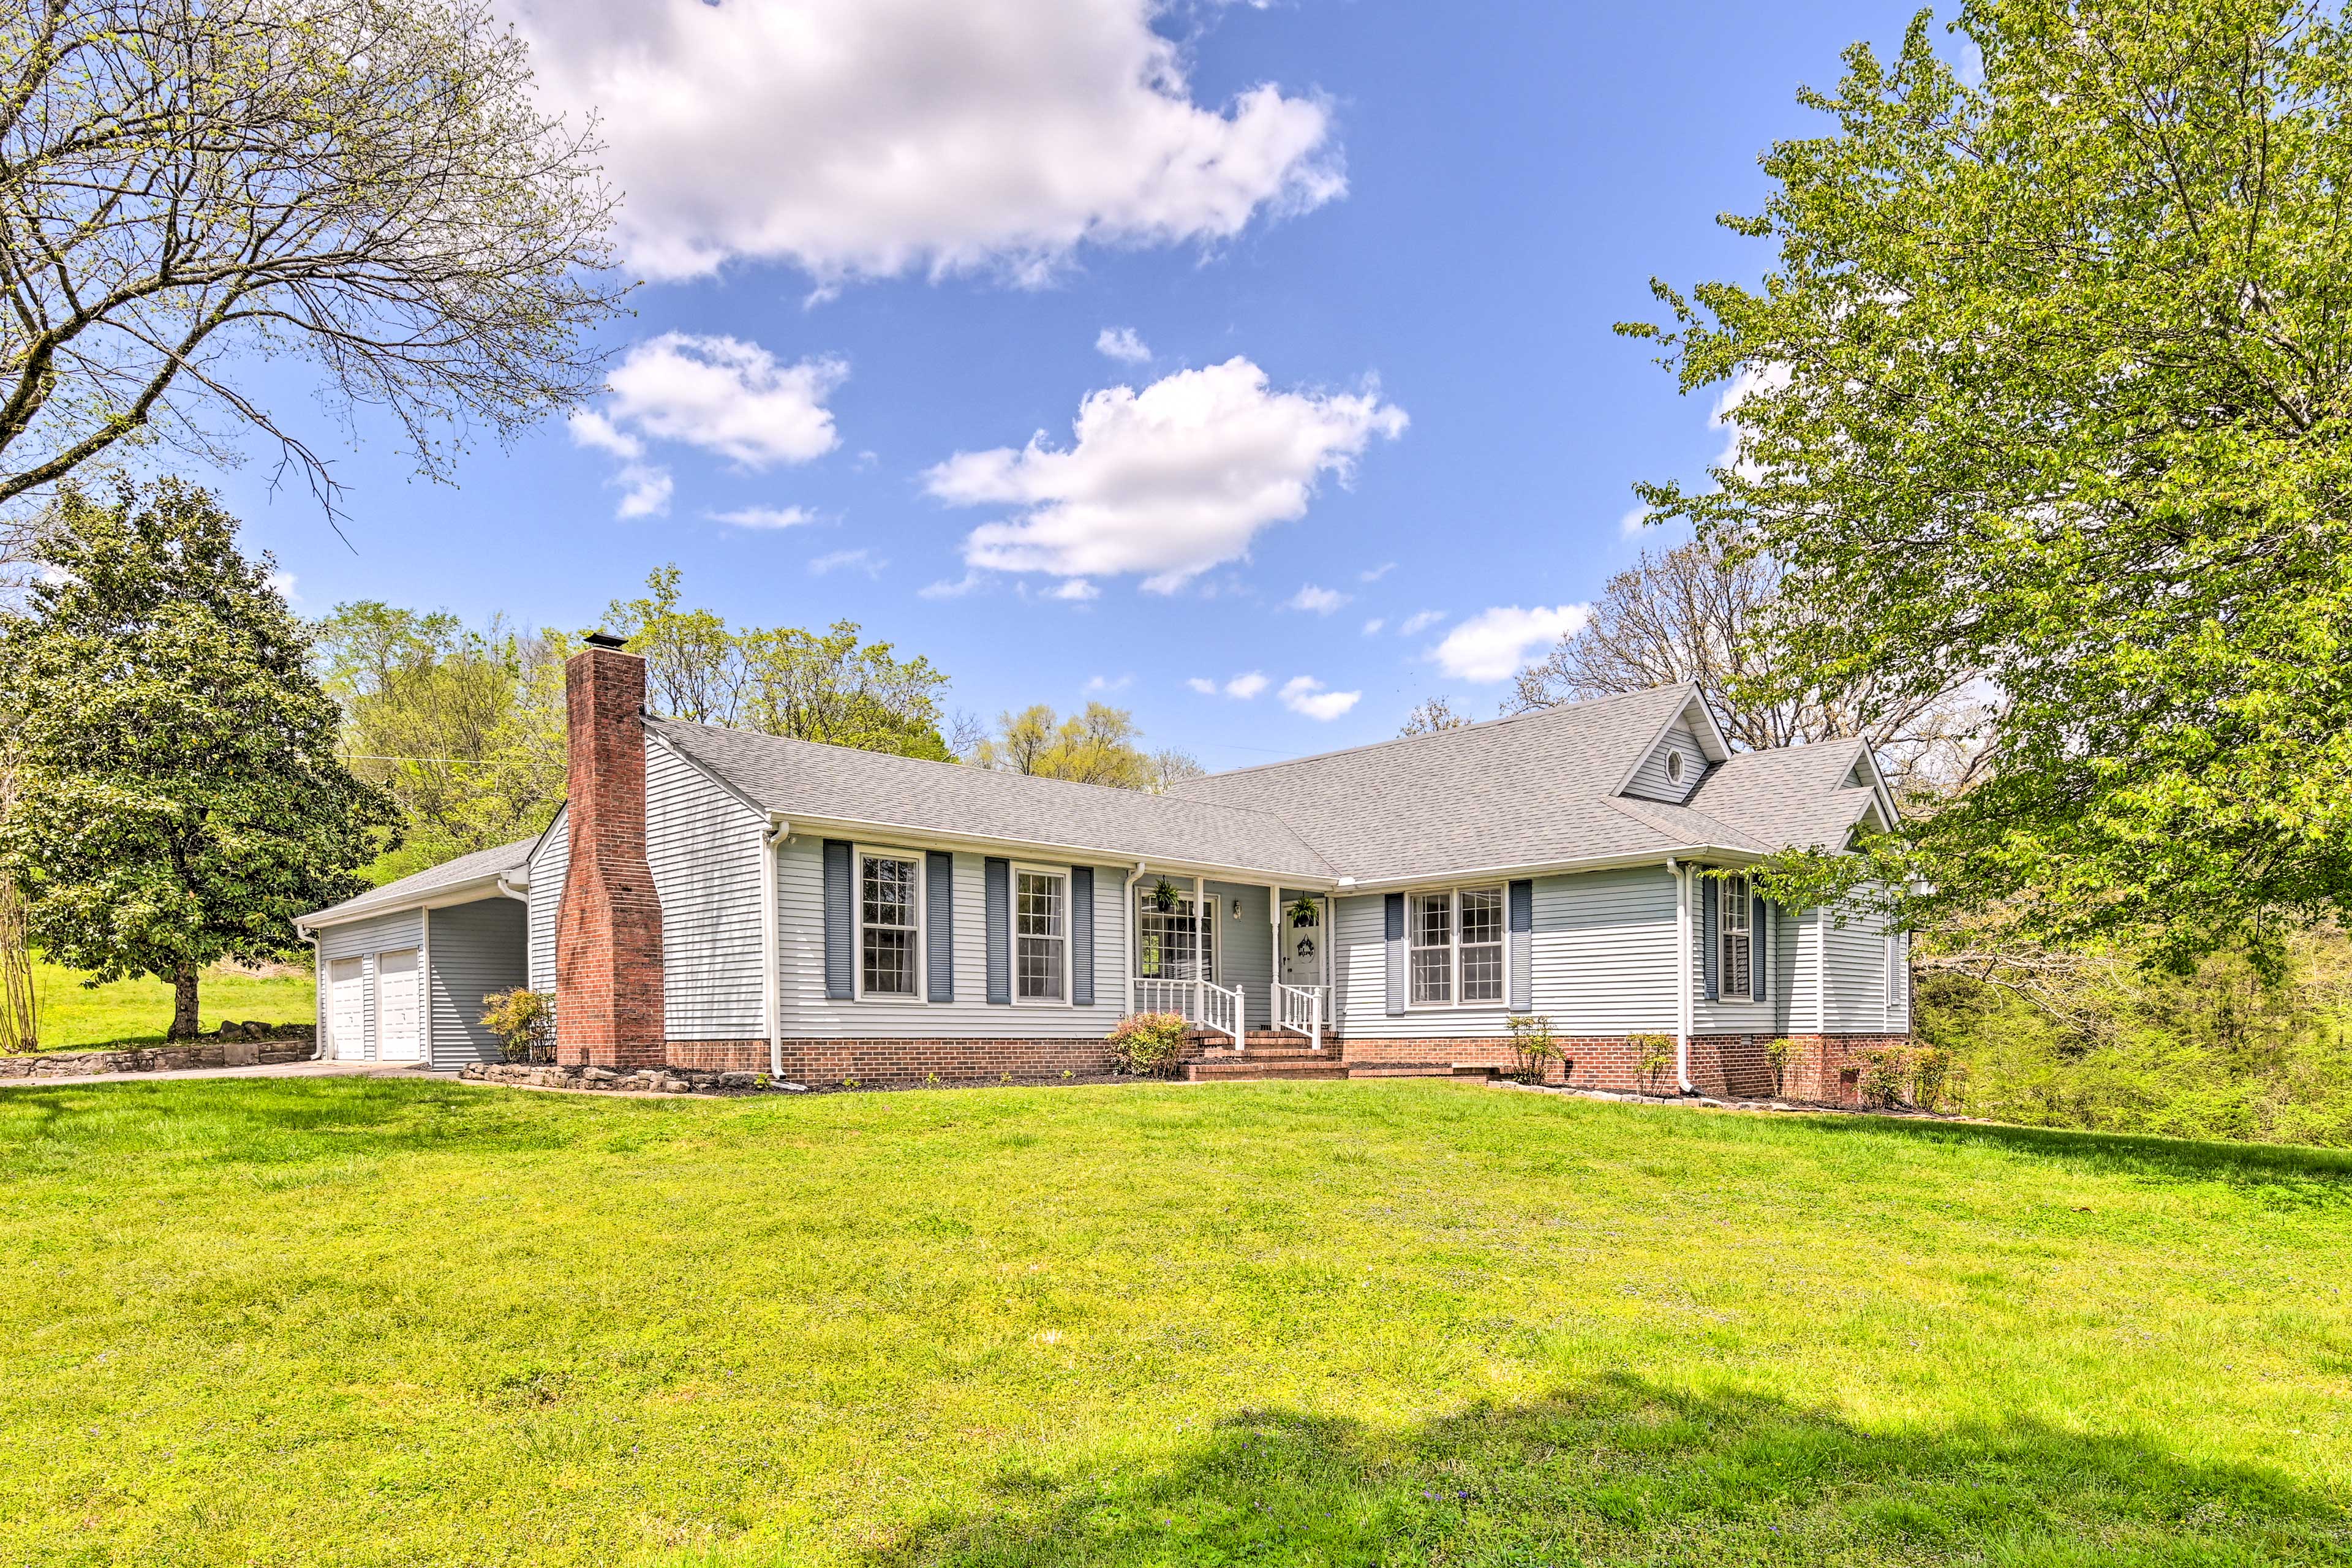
(608, 939)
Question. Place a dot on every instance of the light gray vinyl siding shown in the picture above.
(703, 844)
(1792, 981)
(1650, 780)
(475, 949)
(807, 1015)
(1857, 979)
(547, 871)
(364, 940)
(1603, 963)
(1245, 950)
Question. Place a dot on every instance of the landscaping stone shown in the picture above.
(645, 1080)
(284, 1045)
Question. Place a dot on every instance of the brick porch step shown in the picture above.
(1228, 1068)
(1255, 1040)
(1418, 1070)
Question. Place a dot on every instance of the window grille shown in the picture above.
(1166, 941)
(1041, 940)
(1432, 947)
(1739, 977)
(886, 925)
(1482, 944)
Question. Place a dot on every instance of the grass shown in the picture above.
(138, 1011)
(362, 1322)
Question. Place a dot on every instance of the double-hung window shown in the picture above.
(1041, 936)
(1736, 941)
(889, 924)
(1457, 941)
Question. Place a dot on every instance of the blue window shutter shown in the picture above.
(840, 923)
(938, 924)
(1399, 960)
(1520, 955)
(1759, 945)
(1708, 888)
(996, 885)
(1082, 935)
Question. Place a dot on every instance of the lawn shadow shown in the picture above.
(1622, 1470)
(2321, 1175)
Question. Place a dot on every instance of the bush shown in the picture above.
(524, 1022)
(1533, 1043)
(1886, 1076)
(1931, 1078)
(1780, 1053)
(1652, 1055)
(1148, 1045)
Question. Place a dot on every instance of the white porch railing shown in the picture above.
(1202, 1003)
(1300, 1008)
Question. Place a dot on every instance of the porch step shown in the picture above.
(1419, 1069)
(1230, 1068)
(1256, 1040)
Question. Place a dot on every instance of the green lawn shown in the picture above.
(138, 1012)
(360, 1322)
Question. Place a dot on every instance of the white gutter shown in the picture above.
(771, 958)
(1715, 854)
(1126, 895)
(910, 837)
(510, 888)
(492, 884)
(1682, 875)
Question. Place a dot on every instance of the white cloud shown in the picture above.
(1305, 694)
(869, 138)
(765, 517)
(949, 590)
(1494, 643)
(1203, 684)
(860, 560)
(1168, 481)
(1377, 572)
(1746, 385)
(1245, 687)
(1100, 683)
(1372, 628)
(725, 396)
(1077, 588)
(281, 584)
(1122, 343)
(1420, 621)
(1630, 525)
(1319, 601)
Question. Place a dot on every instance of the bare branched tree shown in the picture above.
(1438, 713)
(187, 187)
(1703, 613)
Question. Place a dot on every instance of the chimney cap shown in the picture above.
(606, 639)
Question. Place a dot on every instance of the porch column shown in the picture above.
(1201, 948)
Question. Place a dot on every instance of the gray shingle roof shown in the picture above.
(423, 884)
(1794, 797)
(803, 778)
(1531, 790)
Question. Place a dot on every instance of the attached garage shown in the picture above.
(403, 969)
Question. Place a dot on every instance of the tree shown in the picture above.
(1704, 612)
(829, 686)
(1096, 745)
(2051, 382)
(366, 183)
(179, 796)
(1432, 715)
(464, 728)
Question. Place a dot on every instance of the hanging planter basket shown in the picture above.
(1163, 896)
(1305, 911)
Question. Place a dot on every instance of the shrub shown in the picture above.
(524, 1022)
(1931, 1078)
(1886, 1076)
(1780, 1053)
(1148, 1045)
(1533, 1043)
(1652, 1055)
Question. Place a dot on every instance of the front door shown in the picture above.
(399, 1023)
(1302, 948)
(347, 1008)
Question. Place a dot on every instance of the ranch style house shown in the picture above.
(713, 900)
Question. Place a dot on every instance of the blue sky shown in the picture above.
(1365, 258)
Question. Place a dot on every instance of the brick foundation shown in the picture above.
(1728, 1066)
(608, 939)
(1827, 1069)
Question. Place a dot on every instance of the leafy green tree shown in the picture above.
(1095, 745)
(463, 726)
(829, 686)
(180, 799)
(2050, 387)
(192, 188)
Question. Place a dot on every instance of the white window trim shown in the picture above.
(1069, 937)
(858, 855)
(1723, 935)
(1674, 765)
(1453, 948)
(1216, 949)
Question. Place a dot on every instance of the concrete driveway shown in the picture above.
(282, 1069)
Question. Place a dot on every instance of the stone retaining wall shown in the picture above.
(159, 1059)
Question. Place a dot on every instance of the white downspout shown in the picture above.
(425, 978)
(1133, 936)
(771, 958)
(319, 1041)
(1681, 875)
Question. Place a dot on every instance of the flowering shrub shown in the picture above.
(1534, 1043)
(524, 1022)
(1653, 1054)
(1148, 1045)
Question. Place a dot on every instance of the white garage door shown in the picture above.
(399, 1027)
(347, 1008)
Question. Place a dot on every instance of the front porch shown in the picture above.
(1247, 965)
